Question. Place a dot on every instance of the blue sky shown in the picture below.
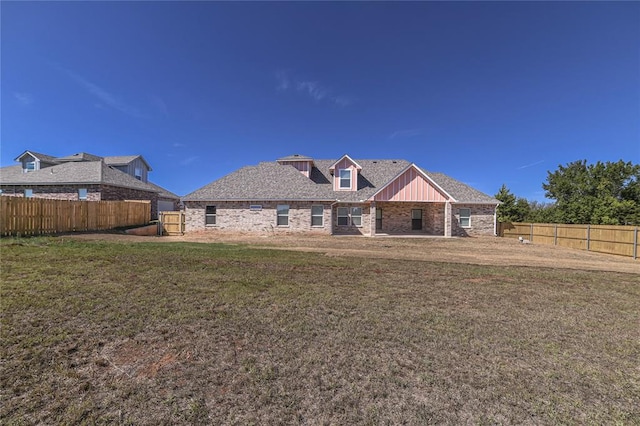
(486, 92)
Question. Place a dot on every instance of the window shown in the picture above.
(345, 179)
(28, 193)
(317, 214)
(283, 215)
(343, 216)
(255, 207)
(416, 219)
(465, 218)
(350, 216)
(210, 215)
(30, 166)
(138, 173)
(378, 219)
(82, 194)
(356, 216)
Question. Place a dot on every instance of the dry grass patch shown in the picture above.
(154, 333)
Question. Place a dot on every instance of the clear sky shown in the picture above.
(486, 92)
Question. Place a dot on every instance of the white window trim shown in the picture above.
(347, 216)
(278, 215)
(350, 216)
(213, 215)
(360, 216)
(340, 178)
(460, 217)
(321, 216)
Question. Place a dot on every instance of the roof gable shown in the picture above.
(344, 163)
(412, 184)
(42, 157)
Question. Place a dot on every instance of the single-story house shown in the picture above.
(344, 196)
(85, 176)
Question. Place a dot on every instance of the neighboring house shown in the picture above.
(366, 197)
(85, 177)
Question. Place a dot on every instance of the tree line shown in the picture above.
(581, 193)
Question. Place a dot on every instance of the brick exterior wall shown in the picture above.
(94, 193)
(482, 220)
(350, 229)
(396, 218)
(69, 192)
(238, 217)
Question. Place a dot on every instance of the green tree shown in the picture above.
(601, 193)
(512, 209)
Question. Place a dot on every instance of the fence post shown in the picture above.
(588, 237)
(635, 243)
(531, 233)
(555, 234)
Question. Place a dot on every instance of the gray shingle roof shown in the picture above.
(273, 181)
(42, 157)
(124, 159)
(81, 156)
(74, 173)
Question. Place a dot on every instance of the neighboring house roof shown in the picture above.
(125, 159)
(81, 156)
(274, 181)
(163, 193)
(295, 157)
(39, 156)
(73, 173)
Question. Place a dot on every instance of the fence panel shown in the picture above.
(36, 216)
(172, 222)
(611, 239)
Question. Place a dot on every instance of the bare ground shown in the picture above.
(475, 250)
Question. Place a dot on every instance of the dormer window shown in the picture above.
(345, 174)
(138, 173)
(345, 179)
(30, 166)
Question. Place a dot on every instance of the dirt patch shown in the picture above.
(476, 250)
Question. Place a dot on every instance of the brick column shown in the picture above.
(447, 219)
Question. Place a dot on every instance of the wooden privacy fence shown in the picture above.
(612, 239)
(172, 222)
(36, 216)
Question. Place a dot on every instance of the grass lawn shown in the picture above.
(186, 333)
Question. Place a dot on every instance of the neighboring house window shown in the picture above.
(343, 216)
(465, 218)
(82, 194)
(317, 214)
(30, 166)
(28, 193)
(356, 216)
(283, 215)
(345, 179)
(138, 173)
(210, 215)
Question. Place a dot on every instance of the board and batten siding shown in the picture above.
(130, 168)
(345, 164)
(303, 167)
(411, 186)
